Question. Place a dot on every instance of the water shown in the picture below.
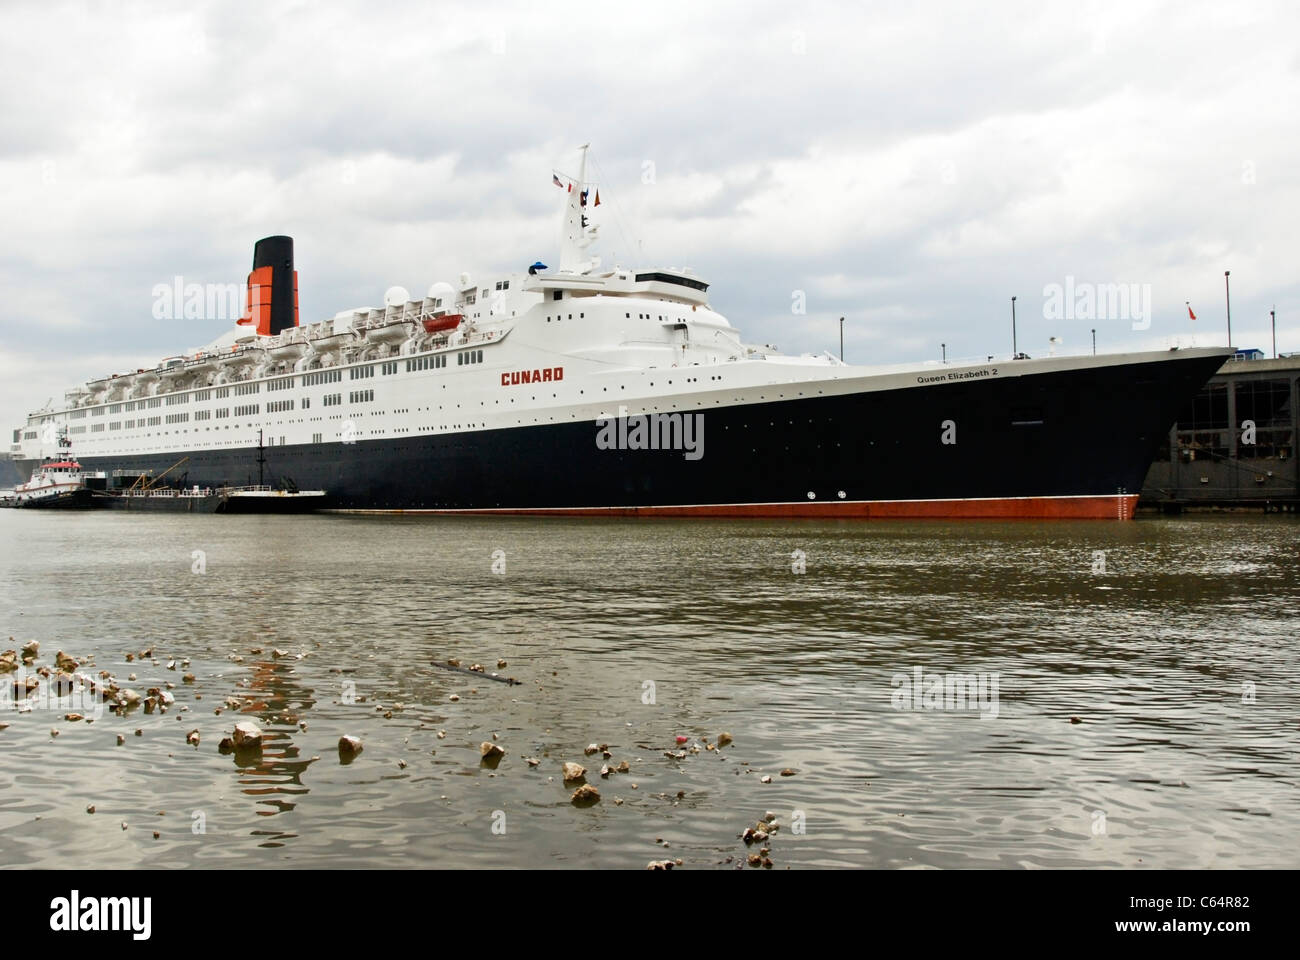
(1171, 764)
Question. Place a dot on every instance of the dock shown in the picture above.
(1233, 447)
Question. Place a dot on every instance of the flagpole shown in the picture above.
(1014, 351)
(1227, 299)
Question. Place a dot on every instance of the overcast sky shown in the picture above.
(910, 166)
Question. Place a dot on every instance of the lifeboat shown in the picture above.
(449, 321)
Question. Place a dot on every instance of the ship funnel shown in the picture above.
(272, 304)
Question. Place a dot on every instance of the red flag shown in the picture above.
(597, 203)
(1189, 312)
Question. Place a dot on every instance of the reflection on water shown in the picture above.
(1144, 715)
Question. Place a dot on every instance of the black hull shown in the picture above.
(1060, 435)
(110, 501)
(73, 500)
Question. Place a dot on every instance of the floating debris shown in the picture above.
(349, 746)
(763, 779)
(90, 809)
(787, 772)
(192, 737)
(724, 739)
(477, 669)
(490, 751)
(121, 739)
(585, 796)
(247, 735)
(573, 772)
(25, 687)
(590, 749)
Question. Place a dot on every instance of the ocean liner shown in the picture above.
(582, 390)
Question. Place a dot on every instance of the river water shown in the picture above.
(1136, 706)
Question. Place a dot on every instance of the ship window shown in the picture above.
(671, 278)
(480, 356)
(557, 295)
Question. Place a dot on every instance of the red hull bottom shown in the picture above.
(1107, 507)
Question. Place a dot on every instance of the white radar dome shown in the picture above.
(396, 296)
(443, 291)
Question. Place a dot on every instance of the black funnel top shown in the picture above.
(277, 253)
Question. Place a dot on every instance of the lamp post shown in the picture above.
(1014, 352)
(1094, 341)
(944, 348)
(841, 339)
(1272, 316)
(1227, 299)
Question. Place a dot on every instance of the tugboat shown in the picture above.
(59, 482)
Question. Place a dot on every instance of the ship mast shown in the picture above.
(575, 232)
